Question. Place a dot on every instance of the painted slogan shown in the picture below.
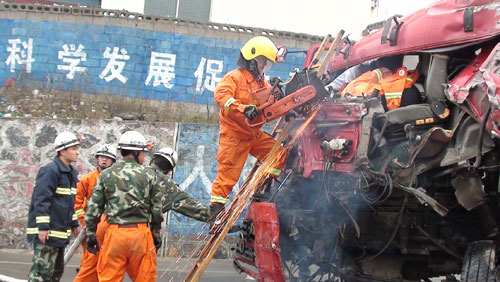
(121, 60)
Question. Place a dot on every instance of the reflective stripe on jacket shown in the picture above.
(385, 82)
(52, 201)
(394, 85)
(233, 94)
(366, 83)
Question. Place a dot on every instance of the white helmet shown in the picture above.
(169, 154)
(106, 150)
(65, 140)
(133, 141)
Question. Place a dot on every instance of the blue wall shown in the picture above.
(42, 51)
(197, 167)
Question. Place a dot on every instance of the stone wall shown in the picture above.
(27, 144)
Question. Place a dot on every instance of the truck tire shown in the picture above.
(479, 262)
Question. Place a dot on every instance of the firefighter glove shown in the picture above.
(92, 245)
(216, 225)
(215, 210)
(157, 241)
(251, 112)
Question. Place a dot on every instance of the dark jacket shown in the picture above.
(52, 203)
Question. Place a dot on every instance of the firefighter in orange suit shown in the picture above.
(105, 157)
(236, 138)
(131, 197)
(383, 82)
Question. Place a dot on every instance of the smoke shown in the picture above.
(326, 218)
(315, 214)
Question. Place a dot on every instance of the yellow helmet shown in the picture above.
(259, 46)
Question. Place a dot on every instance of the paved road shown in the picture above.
(16, 264)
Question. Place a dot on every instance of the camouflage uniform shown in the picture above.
(173, 198)
(127, 193)
(48, 263)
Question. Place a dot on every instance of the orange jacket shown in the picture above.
(387, 83)
(366, 83)
(84, 190)
(395, 84)
(233, 94)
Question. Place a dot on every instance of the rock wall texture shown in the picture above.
(26, 144)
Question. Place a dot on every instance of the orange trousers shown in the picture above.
(231, 157)
(88, 262)
(127, 249)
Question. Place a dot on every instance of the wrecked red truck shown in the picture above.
(387, 184)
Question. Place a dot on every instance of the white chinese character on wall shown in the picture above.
(213, 68)
(161, 69)
(20, 53)
(72, 56)
(115, 64)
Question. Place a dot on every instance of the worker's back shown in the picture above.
(127, 187)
